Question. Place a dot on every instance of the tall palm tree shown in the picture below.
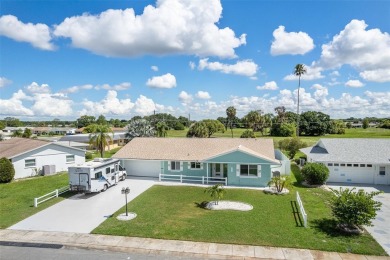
(162, 129)
(101, 138)
(231, 115)
(299, 70)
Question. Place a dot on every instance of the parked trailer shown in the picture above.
(95, 176)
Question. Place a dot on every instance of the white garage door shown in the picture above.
(351, 174)
(142, 168)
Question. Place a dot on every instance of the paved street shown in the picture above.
(83, 213)
(381, 227)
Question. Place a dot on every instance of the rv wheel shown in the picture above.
(105, 187)
(123, 177)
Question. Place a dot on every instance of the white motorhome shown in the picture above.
(95, 176)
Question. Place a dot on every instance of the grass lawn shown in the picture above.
(172, 212)
(107, 154)
(17, 197)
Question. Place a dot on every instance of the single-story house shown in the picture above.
(240, 162)
(118, 139)
(353, 160)
(33, 157)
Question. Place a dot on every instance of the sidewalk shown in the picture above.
(171, 247)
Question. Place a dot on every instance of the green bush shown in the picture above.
(248, 134)
(178, 126)
(88, 156)
(7, 170)
(315, 173)
(354, 209)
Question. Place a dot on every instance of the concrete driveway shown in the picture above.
(83, 213)
(381, 228)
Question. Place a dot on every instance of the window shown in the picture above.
(175, 166)
(248, 170)
(70, 159)
(330, 164)
(112, 170)
(382, 170)
(336, 164)
(355, 165)
(108, 170)
(369, 165)
(29, 163)
(342, 164)
(98, 175)
(362, 165)
(349, 165)
(195, 165)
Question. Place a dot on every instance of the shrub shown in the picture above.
(7, 170)
(248, 134)
(280, 182)
(178, 126)
(88, 156)
(216, 191)
(354, 209)
(315, 173)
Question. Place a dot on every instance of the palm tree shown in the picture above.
(231, 115)
(216, 191)
(299, 70)
(162, 129)
(101, 138)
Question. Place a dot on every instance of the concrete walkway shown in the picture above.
(83, 213)
(380, 230)
(170, 247)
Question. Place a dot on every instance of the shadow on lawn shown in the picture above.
(202, 204)
(295, 211)
(329, 227)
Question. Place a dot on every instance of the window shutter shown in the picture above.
(188, 165)
(201, 166)
(169, 165)
(259, 170)
(237, 170)
(181, 166)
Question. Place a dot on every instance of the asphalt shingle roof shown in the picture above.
(14, 146)
(194, 149)
(359, 150)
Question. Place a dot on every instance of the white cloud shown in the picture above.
(53, 105)
(4, 82)
(154, 68)
(118, 87)
(36, 88)
(110, 105)
(368, 51)
(244, 68)
(171, 27)
(165, 81)
(192, 65)
(203, 95)
(185, 98)
(268, 86)
(290, 42)
(144, 106)
(354, 83)
(14, 106)
(312, 73)
(38, 35)
(76, 89)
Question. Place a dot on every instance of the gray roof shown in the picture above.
(84, 138)
(350, 150)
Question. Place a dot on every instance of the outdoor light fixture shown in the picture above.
(126, 191)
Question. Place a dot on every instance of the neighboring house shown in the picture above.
(118, 139)
(32, 157)
(244, 162)
(353, 160)
(82, 146)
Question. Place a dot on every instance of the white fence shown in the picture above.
(302, 209)
(190, 178)
(50, 195)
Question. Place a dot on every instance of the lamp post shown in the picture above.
(126, 191)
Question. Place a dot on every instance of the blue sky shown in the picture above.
(64, 59)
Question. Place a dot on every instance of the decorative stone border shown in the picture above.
(123, 217)
(229, 205)
(272, 190)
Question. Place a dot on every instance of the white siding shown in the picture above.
(146, 168)
(48, 155)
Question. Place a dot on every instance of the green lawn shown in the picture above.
(17, 197)
(107, 154)
(172, 212)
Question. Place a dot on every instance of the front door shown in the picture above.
(381, 176)
(217, 170)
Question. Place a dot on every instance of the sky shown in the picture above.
(120, 58)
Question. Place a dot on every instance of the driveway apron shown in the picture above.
(381, 228)
(83, 213)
